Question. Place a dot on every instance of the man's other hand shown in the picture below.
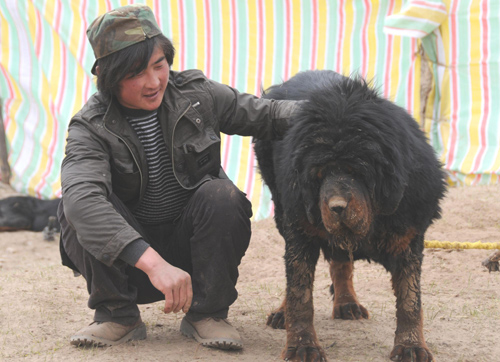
(173, 282)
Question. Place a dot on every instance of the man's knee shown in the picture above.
(225, 196)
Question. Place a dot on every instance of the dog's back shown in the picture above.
(303, 84)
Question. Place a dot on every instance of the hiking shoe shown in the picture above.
(101, 334)
(212, 332)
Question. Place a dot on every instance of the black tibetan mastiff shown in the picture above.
(353, 177)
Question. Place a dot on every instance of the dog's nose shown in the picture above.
(337, 204)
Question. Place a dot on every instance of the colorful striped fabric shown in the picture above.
(417, 19)
(463, 112)
(45, 63)
(470, 141)
(462, 49)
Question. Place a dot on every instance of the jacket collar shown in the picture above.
(173, 106)
(174, 101)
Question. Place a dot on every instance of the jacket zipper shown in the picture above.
(172, 148)
(132, 153)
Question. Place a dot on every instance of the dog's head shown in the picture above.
(349, 156)
(15, 214)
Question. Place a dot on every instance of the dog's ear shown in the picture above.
(306, 185)
(389, 191)
(309, 205)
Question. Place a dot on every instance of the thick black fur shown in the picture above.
(379, 142)
(345, 129)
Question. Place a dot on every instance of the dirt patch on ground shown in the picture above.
(42, 304)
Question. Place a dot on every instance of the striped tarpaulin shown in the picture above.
(45, 63)
(461, 42)
(467, 132)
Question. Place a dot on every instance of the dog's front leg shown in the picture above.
(409, 342)
(301, 343)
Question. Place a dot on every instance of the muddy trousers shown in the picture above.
(208, 240)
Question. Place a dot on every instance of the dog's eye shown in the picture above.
(318, 173)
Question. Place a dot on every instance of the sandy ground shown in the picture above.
(42, 304)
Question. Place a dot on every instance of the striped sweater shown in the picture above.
(164, 198)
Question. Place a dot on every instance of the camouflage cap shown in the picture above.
(121, 28)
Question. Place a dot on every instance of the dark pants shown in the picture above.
(207, 240)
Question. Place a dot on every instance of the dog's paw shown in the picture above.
(276, 319)
(350, 311)
(304, 353)
(415, 353)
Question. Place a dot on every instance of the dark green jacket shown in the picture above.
(104, 155)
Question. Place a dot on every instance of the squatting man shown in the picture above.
(147, 213)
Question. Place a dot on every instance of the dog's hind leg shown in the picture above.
(345, 301)
(302, 343)
(276, 318)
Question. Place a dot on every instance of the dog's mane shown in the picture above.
(345, 124)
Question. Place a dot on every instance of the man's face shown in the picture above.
(145, 90)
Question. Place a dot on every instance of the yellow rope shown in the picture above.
(460, 245)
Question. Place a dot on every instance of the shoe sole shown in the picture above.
(189, 331)
(135, 334)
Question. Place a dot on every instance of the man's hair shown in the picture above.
(130, 60)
